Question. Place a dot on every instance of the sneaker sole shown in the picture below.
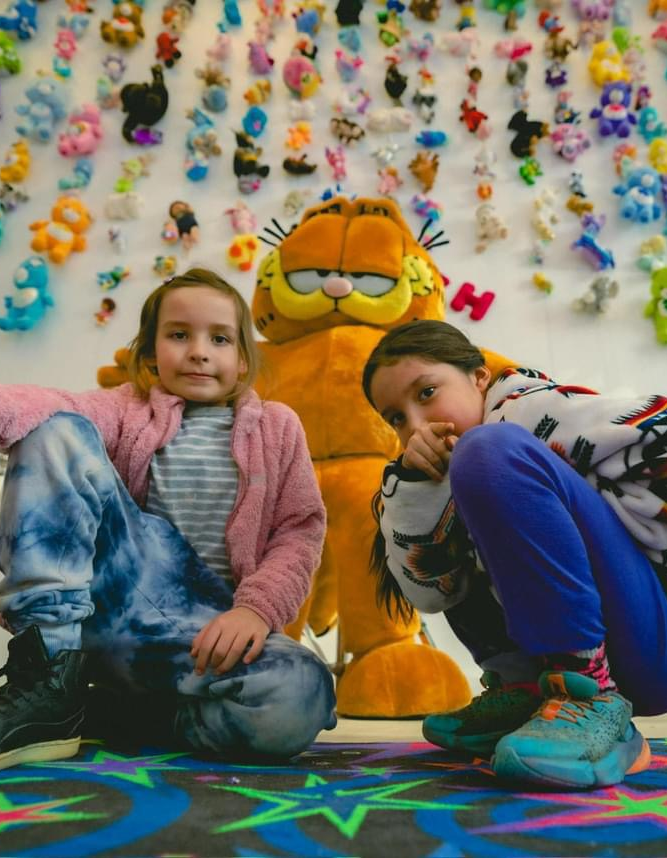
(483, 744)
(41, 752)
(628, 757)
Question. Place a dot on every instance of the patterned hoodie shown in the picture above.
(618, 445)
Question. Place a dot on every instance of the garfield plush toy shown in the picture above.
(324, 297)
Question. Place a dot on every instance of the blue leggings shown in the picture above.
(92, 570)
(566, 570)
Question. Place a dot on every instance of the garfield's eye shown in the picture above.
(307, 281)
(372, 285)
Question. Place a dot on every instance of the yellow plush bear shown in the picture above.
(64, 232)
(325, 296)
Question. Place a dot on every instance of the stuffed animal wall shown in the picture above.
(324, 297)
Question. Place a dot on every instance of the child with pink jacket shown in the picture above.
(155, 539)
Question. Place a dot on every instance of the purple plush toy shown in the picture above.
(614, 115)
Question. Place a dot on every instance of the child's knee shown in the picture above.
(62, 431)
(483, 447)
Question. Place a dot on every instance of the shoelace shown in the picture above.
(567, 708)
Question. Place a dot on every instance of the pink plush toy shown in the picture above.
(84, 132)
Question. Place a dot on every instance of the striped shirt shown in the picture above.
(193, 482)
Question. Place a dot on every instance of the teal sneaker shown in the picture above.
(580, 737)
(498, 710)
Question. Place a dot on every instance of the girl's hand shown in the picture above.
(429, 449)
(222, 642)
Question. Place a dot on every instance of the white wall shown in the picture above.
(616, 353)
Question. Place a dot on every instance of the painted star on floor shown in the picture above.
(133, 769)
(29, 813)
(615, 804)
(344, 806)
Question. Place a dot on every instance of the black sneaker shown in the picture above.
(42, 702)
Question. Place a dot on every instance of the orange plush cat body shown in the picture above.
(325, 296)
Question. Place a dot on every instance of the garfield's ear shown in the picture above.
(112, 376)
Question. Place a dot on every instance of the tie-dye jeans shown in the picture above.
(93, 571)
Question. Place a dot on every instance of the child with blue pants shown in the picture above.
(98, 588)
(533, 514)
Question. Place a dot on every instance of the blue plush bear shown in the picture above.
(641, 190)
(44, 108)
(32, 296)
(20, 18)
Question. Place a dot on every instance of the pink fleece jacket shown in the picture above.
(275, 532)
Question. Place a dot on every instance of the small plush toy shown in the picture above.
(299, 166)
(242, 250)
(202, 144)
(345, 130)
(186, 223)
(653, 254)
(336, 160)
(144, 103)
(167, 49)
(82, 174)
(10, 62)
(106, 311)
(63, 234)
(254, 122)
(614, 115)
(390, 181)
(593, 10)
(426, 10)
(243, 220)
(640, 192)
(473, 119)
(528, 133)
(606, 65)
(596, 255)
(259, 92)
(650, 126)
(657, 155)
(424, 167)
(570, 141)
(125, 29)
(598, 295)
(164, 266)
(294, 202)
(347, 12)
(31, 298)
(20, 18)
(16, 165)
(112, 278)
(247, 168)
(216, 82)
(490, 226)
(299, 135)
(530, 169)
(300, 76)
(388, 119)
(83, 134)
(43, 109)
(656, 308)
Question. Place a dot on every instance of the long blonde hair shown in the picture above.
(141, 366)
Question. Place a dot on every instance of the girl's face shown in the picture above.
(197, 345)
(414, 392)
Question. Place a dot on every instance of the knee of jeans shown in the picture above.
(483, 450)
(65, 425)
(297, 711)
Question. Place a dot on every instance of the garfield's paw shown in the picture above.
(401, 680)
